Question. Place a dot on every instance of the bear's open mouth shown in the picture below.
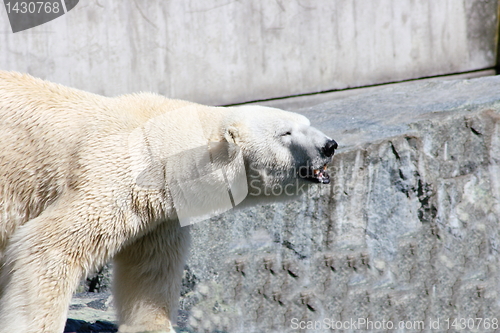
(316, 175)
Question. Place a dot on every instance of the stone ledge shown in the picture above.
(395, 110)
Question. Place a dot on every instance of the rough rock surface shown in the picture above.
(407, 232)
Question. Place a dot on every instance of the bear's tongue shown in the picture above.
(315, 175)
(321, 176)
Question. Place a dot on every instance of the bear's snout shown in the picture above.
(329, 148)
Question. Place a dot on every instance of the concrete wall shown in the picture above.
(220, 51)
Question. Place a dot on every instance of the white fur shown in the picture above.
(69, 198)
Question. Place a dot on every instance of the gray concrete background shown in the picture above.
(222, 51)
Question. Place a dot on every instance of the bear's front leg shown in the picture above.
(147, 279)
(42, 266)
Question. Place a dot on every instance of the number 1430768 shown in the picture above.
(33, 7)
(471, 323)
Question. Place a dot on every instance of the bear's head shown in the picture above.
(280, 149)
(211, 159)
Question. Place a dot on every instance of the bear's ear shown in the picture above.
(232, 135)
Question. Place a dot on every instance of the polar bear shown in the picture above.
(85, 179)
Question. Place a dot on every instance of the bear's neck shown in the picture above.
(151, 200)
(212, 120)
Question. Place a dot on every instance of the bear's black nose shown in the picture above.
(330, 147)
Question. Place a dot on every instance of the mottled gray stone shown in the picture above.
(408, 229)
(92, 307)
